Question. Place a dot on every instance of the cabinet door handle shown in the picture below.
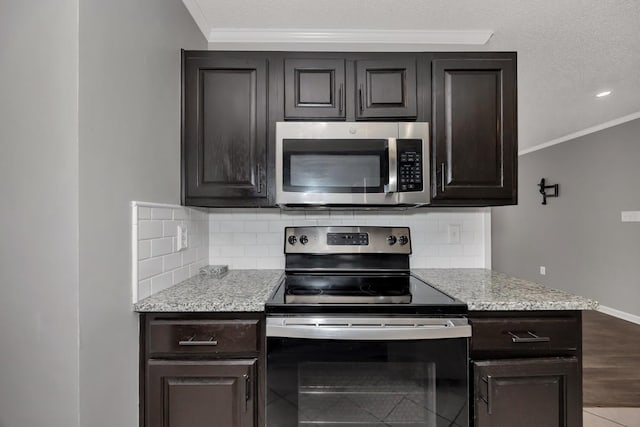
(360, 98)
(442, 176)
(245, 377)
(340, 99)
(259, 177)
(191, 342)
(530, 337)
(489, 381)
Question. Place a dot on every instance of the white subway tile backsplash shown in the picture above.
(149, 267)
(262, 234)
(149, 229)
(161, 213)
(244, 239)
(277, 226)
(276, 250)
(180, 274)
(161, 282)
(181, 214)
(232, 226)
(144, 288)
(256, 226)
(268, 214)
(270, 263)
(221, 239)
(188, 256)
(451, 250)
(144, 249)
(473, 250)
(170, 228)
(171, 262)
(235, 251)
(244, 214)
(244, 263)
(144, 213)
(270, 238)
(162, 246)
(160, 265)
(256, 251)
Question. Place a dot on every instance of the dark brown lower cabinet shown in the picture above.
(183, 393)
(527, 393)
(202, 370)
(526, 368)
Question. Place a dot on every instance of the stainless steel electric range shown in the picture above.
(353, 339)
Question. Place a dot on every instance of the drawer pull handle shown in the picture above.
(192, 342)
(530, 337)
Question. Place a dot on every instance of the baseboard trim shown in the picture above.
(619, 314)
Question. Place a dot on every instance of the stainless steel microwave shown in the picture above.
(352, 164)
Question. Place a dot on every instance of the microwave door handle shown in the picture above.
(392, 186)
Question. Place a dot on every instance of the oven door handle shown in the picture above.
(367, 329)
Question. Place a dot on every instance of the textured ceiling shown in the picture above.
(568, 50)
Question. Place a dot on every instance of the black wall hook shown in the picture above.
(543, 190)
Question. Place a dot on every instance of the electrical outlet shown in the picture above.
(182, 238)
(454, 233)
(543, 270)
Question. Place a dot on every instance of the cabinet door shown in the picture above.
(201, 393)
(527, 393)
(314, 89)
(386, 88)
(474, 131)
(224, 147)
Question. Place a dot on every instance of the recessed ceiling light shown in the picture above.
(605, 93)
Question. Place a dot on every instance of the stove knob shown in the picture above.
(404, 240)
(292, 240)
(304, 240)
(391, 240)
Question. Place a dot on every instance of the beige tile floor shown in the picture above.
(611, 417)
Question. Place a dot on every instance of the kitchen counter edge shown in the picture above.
(248, 290)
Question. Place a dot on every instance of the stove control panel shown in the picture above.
(347, 240)
(355, 239)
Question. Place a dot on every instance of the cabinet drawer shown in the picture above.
(203, 336)
(525, 336)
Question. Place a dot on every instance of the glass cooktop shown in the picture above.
(399, 293)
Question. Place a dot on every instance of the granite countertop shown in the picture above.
(488, 290)
(238, 290)
(248, 290)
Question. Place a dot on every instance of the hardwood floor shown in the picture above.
(611, 361)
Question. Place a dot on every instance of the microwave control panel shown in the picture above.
(410, 159)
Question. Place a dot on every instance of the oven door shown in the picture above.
(367, 372)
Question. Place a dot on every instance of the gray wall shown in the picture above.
(129, 150)
(579, 236)
(38, 213)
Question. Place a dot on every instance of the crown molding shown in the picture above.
(583, 132)
(265, 36)
(198, 16)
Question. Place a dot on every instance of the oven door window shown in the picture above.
(335, 165)
(366, 383)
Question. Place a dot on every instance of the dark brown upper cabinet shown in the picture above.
(224, 142)
(474, 128)
(386, 88)
(314, 89)
(231, 102)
